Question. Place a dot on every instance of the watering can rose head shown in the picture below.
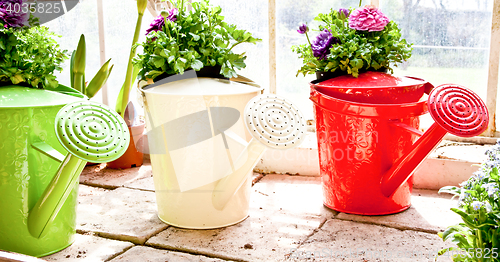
(181, 39)
(341, 35)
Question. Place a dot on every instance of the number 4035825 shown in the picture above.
(40, 8)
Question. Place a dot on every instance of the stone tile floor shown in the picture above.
(117, 221)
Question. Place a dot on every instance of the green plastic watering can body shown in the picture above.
(26, 117)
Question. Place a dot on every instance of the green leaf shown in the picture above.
(197, 65)
(195, 37)
(158, 61)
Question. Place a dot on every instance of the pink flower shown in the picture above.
(368, 18)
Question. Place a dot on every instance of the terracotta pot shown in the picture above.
(134, 155)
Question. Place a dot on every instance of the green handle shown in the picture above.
(54, 196)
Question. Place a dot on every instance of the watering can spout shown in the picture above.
(456, 110)
(89, 132)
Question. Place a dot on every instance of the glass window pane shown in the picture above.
(119, 30)
(250, 16)
(451, 39)
(82, 19)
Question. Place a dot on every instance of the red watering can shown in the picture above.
(366, 129)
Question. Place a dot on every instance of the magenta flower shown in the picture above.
(322, 44)
(303, 29)
(368, 18)
(159, 21)
(10, 18)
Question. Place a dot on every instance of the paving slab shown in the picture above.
(339, 240)
(297, 195)
(430, 212)
(90, 248)
(284, 211)
(148, 254)
(122, 214)
(101, 176)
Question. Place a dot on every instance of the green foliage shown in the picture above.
(357, 51)
(478, 237)
(197, 39)
(29, 56)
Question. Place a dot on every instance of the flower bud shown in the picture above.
(141, 6)
(164, 13)
(343, 13)
(303, 29)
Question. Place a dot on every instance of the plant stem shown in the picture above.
(360, 2)
(234, 46)
(128, 76)
(307, 36)
(480, 243)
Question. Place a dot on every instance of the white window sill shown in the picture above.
(450, 164)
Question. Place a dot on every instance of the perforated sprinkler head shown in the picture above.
(92, 131)
(275, 122)
(458, 110)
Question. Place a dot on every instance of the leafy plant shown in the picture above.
(195, 39)
(478, 237)
(356, 47)
(29, 56)
(77, 72)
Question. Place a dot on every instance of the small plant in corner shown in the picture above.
(478, 237)
(29, 55)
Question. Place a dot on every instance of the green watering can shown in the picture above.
(38, 177)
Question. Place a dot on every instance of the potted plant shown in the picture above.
(184, 57)
(134, 156)
(356, 103)
(478, 237)
(350, 42)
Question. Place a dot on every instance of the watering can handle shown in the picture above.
(227, 186)
(427, 86)
(55, 195)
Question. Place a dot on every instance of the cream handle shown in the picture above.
(227, 186)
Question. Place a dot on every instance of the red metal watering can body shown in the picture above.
(366, 149)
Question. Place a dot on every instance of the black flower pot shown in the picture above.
(322, 75)
(206, 71)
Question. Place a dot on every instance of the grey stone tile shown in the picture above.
(295, 195)
(90, 248)
(429, 212)
(123, 214)
(339, 240)
(148, 254)
(100, 176)
(284, 210)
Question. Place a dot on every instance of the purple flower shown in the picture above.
(322, 44)
(8, 17)
(343, 13)
(159, 22)
(368, 18)
(303, 29)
